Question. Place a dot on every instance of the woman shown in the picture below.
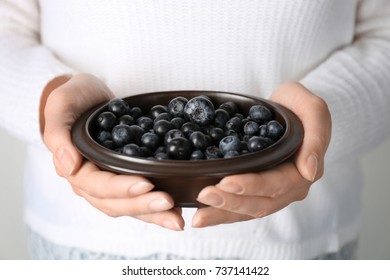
(336, 52)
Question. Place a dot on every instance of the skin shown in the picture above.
(235, 198)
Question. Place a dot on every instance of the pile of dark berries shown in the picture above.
(186, 129)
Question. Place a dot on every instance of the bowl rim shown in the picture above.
(110, 160)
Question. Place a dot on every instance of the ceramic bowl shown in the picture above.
(184, 179)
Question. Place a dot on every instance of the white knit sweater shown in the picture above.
(338, 49)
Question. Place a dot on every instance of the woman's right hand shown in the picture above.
(115, 195)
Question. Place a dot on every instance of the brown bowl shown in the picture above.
(184, 179)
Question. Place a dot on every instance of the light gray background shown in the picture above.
(375, 236)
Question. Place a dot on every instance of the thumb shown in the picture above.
(316, 120)
(63, 106)
(57, 135)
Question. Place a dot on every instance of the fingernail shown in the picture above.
(66, 162)
(312, 166)
(231, 188)
(196, 222)
(172, 225)
(140, 188)
(160, 204)
(211, 199)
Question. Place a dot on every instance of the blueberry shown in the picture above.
(106, 121)
(263, 131)
(150, 140)
(197, 155)
(209, 140)
(206, 129)
(160, 149)
(132, 150)
(136, 132)
(136, 112)
(251, 128)
(257, 143)
(157, 110)
(176, 106)
(172, 134)
(205, 96)
(179, 148)
(244, 146)
(163, 116)
(216, 134)
(275, 129)
(161, 156)
(199, 140)
(178, 122)
(231, 132)
(146, 152)
(229, 143)
(118, 106)
(145, 123)
(220, 118)
(239, 115)
(109, 144)
(244, 121)
(126, 119)
(188, 128)
(230, 107)
(260, 114)
(121, 135)
(231, 154)
(199, 110)
(212, 152)
(162, 127)
(103, 135)
(234, 124)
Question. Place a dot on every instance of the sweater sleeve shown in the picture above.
(355, 83)
(26, 66)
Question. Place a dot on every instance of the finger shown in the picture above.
(254, 206)
(170, 219)
(57, 138)
(210, 216)
(317, 127)
(270, 183)
(148, 203)
(63, 106)
(103, 184)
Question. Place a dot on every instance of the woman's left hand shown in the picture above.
(254, 195)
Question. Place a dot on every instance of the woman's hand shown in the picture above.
(115, 195)
(255, 195)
